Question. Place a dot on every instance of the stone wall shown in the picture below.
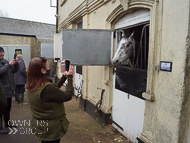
(53, 66)
(20, 40)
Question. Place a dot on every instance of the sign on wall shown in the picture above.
(165, 66)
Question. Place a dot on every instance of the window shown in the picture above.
(79, 25)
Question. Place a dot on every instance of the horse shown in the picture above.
(125, 51)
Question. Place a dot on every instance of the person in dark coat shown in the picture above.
(20, 80)
(3, 98)
(6, 78)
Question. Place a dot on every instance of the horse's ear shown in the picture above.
(131, 36)
(123, 33)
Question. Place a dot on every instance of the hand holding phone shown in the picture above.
(71, 70)
(15, 56)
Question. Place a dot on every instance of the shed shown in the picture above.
(29, 38)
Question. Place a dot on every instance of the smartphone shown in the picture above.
(15, 56)
(67, 64)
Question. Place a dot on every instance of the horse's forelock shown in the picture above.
(123, 40)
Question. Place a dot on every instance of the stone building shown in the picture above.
(150, 104)
(27, 38)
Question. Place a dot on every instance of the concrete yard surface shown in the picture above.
(82, 128)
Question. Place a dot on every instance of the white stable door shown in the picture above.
(128, 110)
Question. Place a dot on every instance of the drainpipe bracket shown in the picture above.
(148, 96)
(157, 67)
(145, 138)
(107, 82)
(57, 16)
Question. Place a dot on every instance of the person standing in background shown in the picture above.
(20, 80)
(6, 78)
(3, 98)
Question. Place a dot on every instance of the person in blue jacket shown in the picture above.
(20, 80)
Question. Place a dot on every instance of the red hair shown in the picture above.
(35, 78)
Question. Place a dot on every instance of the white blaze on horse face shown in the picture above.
(124, 50)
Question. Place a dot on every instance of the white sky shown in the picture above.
(31, 10)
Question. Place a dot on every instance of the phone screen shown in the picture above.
(67, 64)
(62, 66)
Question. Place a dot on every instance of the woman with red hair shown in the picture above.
(49, 122)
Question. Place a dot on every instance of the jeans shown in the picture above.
(20, 89)
(6, 111)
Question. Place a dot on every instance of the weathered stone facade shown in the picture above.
(167, 100)
(21, 40)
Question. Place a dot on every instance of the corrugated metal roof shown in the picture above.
(44, 32)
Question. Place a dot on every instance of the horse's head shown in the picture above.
(124, 51)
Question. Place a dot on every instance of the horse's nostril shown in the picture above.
(114, 62)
